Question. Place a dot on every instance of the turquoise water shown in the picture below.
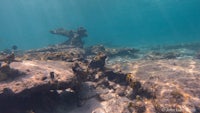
(26, 23)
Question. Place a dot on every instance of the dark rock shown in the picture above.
(8, 92)
(138, 89)
(75, 37)
(80, 71)
(87, 90)
(98, 61)
(197, 109)
(52, 75)
(119, 78)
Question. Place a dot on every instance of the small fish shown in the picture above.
(14, 47)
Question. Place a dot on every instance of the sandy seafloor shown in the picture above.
(152, 80)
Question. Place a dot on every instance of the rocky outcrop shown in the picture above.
(75, 36)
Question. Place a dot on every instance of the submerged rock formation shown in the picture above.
(67, 78)
(75, 36)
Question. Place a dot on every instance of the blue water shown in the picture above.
(26, 23)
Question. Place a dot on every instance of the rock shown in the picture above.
(80, 71)
(117, 77)
(95, 50)
(8, 58)
(75, 37)
(98, 61)
(7, 73)
(36, 77)
(5, 67)
(87, 90)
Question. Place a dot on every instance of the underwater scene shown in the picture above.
(99, 56)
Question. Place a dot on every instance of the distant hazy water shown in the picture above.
(26, 23)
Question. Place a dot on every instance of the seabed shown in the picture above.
(67, 78)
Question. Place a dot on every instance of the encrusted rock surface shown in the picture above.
(37, 76)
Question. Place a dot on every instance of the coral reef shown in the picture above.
(75, 36)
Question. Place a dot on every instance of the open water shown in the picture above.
(26, 23)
